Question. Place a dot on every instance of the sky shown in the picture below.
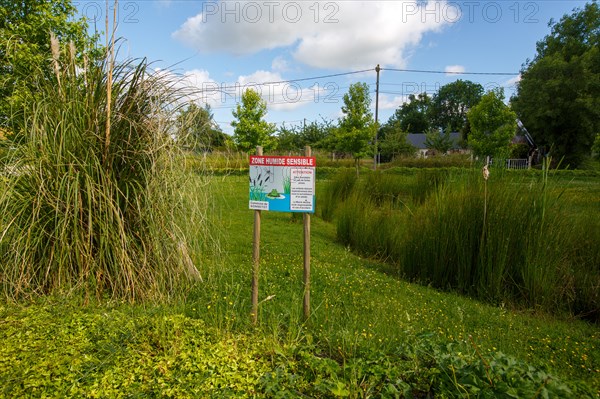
(303, 55)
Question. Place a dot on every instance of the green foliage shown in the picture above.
(91, 209)
(250, 129)
(438, 140)
(318, 135)
(557, 97)
(120, 352)
(451, 104)
(25, 49)
(493, 125)
(596, 147)
(356, 128)
(394, 143)
(414, 116)
(197, 131)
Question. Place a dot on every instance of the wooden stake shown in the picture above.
(306, 304)
(255, 258)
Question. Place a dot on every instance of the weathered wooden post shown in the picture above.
(306, 217)
(256, 257)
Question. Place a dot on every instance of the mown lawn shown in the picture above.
(369, 335)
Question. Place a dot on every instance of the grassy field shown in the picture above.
(369, 334)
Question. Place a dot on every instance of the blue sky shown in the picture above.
(223, 47)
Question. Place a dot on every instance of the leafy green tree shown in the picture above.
(414, 116)
(25, 28)
(452, 102)
(197, 130)
(558, 95)
(250, 128)
(394, 143)
(438, 140)
(288, 138)
(317, 133)
(493, 125)
(356, 128)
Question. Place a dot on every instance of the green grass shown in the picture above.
(369, 335)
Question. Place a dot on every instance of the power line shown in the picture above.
(451, 72)
(237, 85)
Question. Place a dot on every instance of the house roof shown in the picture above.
(417, 140)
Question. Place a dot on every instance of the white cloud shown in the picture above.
(279, 95)
(454, 69)
(386, 102)
(513, 82)
(280, 64)
(336, 35)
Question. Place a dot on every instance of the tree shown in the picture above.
(197, 131)
(25, 28)
(250, 129)
(317, 134)
(288, 138)
(357, 127)
(393, 144)
(493, 125)
(452, 102)
(438, 140)
(558, 95)
(414, 116)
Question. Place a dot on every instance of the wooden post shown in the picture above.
(256, 258)
(306, 303)
(377, 69)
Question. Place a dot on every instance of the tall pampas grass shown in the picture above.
(92, 202)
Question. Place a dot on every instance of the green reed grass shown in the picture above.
(92, 211)
(530, 251)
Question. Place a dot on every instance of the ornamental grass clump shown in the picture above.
(90, 204)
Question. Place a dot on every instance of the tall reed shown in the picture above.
(86, 214)
(518, 243)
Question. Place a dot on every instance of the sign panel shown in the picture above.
(282, 184)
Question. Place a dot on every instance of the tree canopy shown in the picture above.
(250, 128)
(356, 128)
(451, 104)
(25, 28)
(414, 116)
(558, 97)
(493, 125)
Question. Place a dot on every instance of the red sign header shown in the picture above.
(259, 160)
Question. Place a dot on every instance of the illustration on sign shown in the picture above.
(284, 184)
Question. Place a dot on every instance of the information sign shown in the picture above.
(282, 184)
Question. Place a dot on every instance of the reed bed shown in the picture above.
(515, 241)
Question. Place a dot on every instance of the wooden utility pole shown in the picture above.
(377, 69)
(306, 303)
(256, 257)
